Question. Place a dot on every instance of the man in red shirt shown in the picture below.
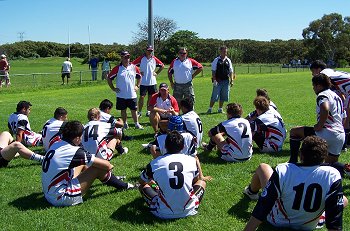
(162, 105)
(4, 70)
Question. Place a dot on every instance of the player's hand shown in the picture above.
(207, 178)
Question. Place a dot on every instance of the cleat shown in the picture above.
(133, 186)
(139, 127)
(209, 111)
(126, 126)
(252, 196)
(220, 110)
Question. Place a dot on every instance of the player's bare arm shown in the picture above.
(324, 110)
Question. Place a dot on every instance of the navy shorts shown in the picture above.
(122, 104)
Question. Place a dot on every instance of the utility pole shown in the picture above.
(21, 36)
(150, 24)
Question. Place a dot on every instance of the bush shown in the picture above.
(343, 63)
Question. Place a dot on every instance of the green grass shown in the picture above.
(224, 207)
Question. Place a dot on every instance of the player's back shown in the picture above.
(190, 144)
(51, 132)
(272, 126)
(18, 121)
(174, 174)
(193, 124)
(302, 194)
(94, 133)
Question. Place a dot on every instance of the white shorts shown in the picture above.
(33, 139)
(335, 140)
(67, 195)
(269, 146)
(229, 155)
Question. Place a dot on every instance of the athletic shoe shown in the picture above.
(147, 113)
(126, 125)
(252, 196)
(126, 150)
(120, 177)
(347, 169)
(133, 186)
(220, 110)
(321, 221)
(138, 126)
(139, 114)
(148, 145)
(209, 111)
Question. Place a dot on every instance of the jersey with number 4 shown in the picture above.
(296, 196)
(174, 174)
(238, 137)
(51, 132)
(193, 124)
(58, 169)
(336, 113)
(96, 137)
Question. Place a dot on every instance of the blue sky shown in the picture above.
(115, 20)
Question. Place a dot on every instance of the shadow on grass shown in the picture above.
(34, 201)
(136, 212)
(256, 151)
(25, 164)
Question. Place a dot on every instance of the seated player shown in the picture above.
(263, 92)
(19, 125)
(9, 149)
(179, 190)
(237, 146)
(295, 195)
(162, 105)
(63, 181)
(192, 122)
(51, 131)
(268, 129)
(101, 138)
(329, 126)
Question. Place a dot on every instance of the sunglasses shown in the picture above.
(126, 57)
(182, 53)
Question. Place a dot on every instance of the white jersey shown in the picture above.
(20, 121)
(58, 170)
(340, 79)
(238, 137)
(296, 196)
(190, 144)
(272, 128)
(193, 124)
(174, 174)
(51, 132)
(107, 118)
(336, 113)
(147, 68)
(66, 67)
(96, 136)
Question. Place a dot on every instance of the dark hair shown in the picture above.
(261, 103)
(234, 109)
(262, 92)
(71, 130)
(223, 48)
(23, 104)
(318, 64)
(187, 103)
(323, 80)
(105, 104)
(174, 142)
(313, 150)
(60, 111)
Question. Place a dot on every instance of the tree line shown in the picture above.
(327, 38)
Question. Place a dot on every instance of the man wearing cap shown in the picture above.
(66, 69)
(4, 71)
(162, 105)
(184, 70)
(128, 79)
(148, 64)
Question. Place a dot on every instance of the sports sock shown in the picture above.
(112, 180)
(120, 148)
(3, 162)
(211, 145)
(251, 191)
(294, 150)
(37, 157)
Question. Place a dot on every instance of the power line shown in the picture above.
(21, 36)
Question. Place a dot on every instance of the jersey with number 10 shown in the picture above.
(174, 174)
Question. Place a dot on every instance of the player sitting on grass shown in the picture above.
(295, 195)
(101, 138)
(9, 149)
(237, 146)
(19, 125)
(268, 129)
(63, 181)
(179, 189)
(52, 129)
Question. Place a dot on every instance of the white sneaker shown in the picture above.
(146, 145)
(126, 150)
(252, 196)
(138, 126)
(147, 113)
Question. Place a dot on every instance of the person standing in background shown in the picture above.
(106, 68)
(93, 65)
(66, 69)
(4, 71)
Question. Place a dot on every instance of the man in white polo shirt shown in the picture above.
(184, 70)
(148, 64)
(128, 79)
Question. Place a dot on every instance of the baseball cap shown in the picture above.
(164, 86)
(149, 48)
(124, 53)
(175, 123)
(3, 56)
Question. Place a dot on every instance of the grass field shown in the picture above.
(224, 207)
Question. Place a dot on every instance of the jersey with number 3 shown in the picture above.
(174, 174)
(336, 113)
(296, 196)
(96, 137)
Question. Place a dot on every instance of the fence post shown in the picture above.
(260, 69)
(81, 77)
(34, 79)
(270, 69)
(248, 69)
